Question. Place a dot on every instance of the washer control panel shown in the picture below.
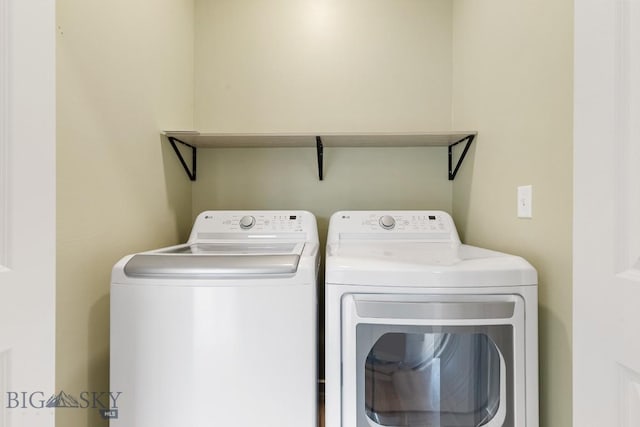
(255, 222)
(425, 225)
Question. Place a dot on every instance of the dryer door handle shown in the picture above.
(435, 310)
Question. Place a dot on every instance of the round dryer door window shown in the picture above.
(454, 378)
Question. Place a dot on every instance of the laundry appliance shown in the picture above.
(422, 330)
(220, 331)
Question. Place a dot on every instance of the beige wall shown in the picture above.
(308, 65)
(513, 83)
(125, 70)
(355, 178)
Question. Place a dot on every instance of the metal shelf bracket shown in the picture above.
(454, 171)
(320, 151)
(191, 173)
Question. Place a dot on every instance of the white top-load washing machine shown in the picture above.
(422, 330)
(220, 331)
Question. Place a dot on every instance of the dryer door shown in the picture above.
(452, 361)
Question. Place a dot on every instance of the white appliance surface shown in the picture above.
(397, 283)
(422, 248)
(208, 332)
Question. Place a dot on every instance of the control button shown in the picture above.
(387, 222)
(246, 222)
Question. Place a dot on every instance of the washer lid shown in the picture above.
(245, 247)
(201, 260)
(408, 263)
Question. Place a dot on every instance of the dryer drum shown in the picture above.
(432, 379)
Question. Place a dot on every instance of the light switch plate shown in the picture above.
(525, 201)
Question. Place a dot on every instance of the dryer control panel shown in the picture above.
(413, 225)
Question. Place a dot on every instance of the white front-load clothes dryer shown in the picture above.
(220, 331)
(422, 330)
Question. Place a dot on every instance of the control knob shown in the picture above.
(246, 222)
(387, 222)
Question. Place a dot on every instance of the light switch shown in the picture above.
(525, 201)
